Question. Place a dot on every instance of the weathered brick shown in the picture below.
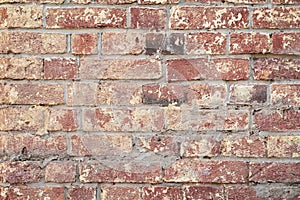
(82, 94)
(100, 145)
(60, 172)
(274, 172)
(204, 69)
(86, 17)
(286, 43)
(277, 120)
(20, 172)
(285, 192)
(113, 2)
(120, 193)
(162, 192)
(243, 146)
(75, 193)
(247, 1)
(276, 18)
(21, 68)
(285, 1)
(250, 94)
(81, 1)
(283, 146)
(194, 170)
(203, 192)
(205, 43)
(149, 2)
(33, 1)
(122, 43)
(86, 43)
(246, 192)
(120, 69)
(32, 43)
(244, 43)
(63, 120)
(187, 17)
(60, 68)
(283, 94)
(121, 172)
(148, 18)
(205, 1)
(276, 68)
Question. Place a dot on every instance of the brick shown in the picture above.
(85, 17)
(249, 94)
(21, 16)
(122, 43)
(243, 146)
(32, 94)
(100, 145)
(84, 44)
(120, 193)
(21, 119)
(113, 2)
(63, 120)
(75, 193)
(286, 43)
(205, 43)
(33, 1)
(204, 69)
(31, 146)
(269, 172)
(82, 94)
(121, 172)
(20, 172)
(276, 18)
(276, 68)
(202, 146)
(194, 170)
(205, 1)
(122, 119)
(26, 192)
(285, 1)
(206, 120)
(32, 43)
(247, 1)
(283, 146)
(246, 192)
(60, 172)
(21, 68)
(244, 43)
(283, 94)
(81, 1)
(277, 120)
(60, 68)
(161, 192)
(187, 17)
(150, 2)
(148, 18)
(283, 192)
(120, 69)
(203, 192)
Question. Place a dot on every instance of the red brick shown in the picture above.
(283, 94)
(33, 1)
(206, 120)
(149, 2)
(243, 146)
(98, 145)
(32, 94)
(247, 1)
(276, 18)
(285, 1)
(86, 17)
(82, 94)
(286, 43)
(120, 69)
(148, 18)
(194, 170)
(246, 193)
(244, 43)
(283, 146)
(203, 192)
(161, 192)
(277, 120)
(86, 43)
(76, 193)
(248, 94)
(274, 172)
(205, 43)
(63, 120)
(122, 43)
(205, 1)
(81, 1)
(60, 68)
(26, 192)
(120, 193)
(276, 68)
(187, 17)
(122, 119)
(21, 68)
(20, 172)
(284, 192)
(32, 43)
(113, 2)
(204, 69)
(60, 172)
(121, 172)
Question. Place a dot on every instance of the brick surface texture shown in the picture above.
(149, 99)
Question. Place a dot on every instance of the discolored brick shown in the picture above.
(148, 18)
(60, 68)
(283, 146)
(75, 193)
(286, 43)
(63, 120)
(248, 94)
(246, 192)
(60, 172)
(161, 192)
(283, 94)
(84, 44)
(120, 193)
(203, 192)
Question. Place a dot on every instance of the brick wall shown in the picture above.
(150, 99)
